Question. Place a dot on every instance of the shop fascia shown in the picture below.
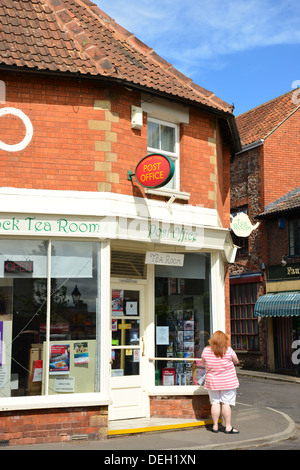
(108, 227)
(109, 216)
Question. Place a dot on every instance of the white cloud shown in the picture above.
(201, 33)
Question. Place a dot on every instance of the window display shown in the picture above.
(182, 320)
(73, 309)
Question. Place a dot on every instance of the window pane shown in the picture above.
(249, 311)
(243, 324)
(153, 135)
(168, 139)
(74, 317)
(125, 352)
(294, 237)
(23, 311)
(125, 362)
(125, 332)
(182, 319)
(243, 311)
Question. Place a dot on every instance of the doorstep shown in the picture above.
(141, 425)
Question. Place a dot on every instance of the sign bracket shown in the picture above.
(130, 174)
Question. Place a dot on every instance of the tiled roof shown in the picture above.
(259, 122)
(288, 203)
(75, 36)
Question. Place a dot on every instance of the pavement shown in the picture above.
(257, 426)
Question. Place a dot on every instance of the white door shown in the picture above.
(129, 399)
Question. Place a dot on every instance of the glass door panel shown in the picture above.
(125, 352)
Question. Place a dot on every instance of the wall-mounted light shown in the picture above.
(284, 261)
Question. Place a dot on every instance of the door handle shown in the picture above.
(143, 347)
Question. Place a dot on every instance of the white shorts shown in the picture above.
(227, 397)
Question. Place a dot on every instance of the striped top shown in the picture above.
(220, 371)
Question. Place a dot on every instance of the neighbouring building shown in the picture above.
(264, 173)
(280, 306)
(114, 226)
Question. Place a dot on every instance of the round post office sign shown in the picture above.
(154, 170)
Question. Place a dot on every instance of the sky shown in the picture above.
(246, 52)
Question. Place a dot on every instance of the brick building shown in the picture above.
(280, 306)
(266, 171)
(108, 288)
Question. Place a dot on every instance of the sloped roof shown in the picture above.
(290, 202)
(261, 121)
(75, 36)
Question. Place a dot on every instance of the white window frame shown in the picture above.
(175, 156)
(65, 400)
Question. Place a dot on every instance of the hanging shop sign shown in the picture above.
(241, 225)
(153, 171)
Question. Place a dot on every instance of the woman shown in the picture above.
(221, 380)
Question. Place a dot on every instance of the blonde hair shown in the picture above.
(219, 343)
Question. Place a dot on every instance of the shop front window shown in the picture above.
(182, 320)
(49, 317)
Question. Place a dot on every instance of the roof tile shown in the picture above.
(260, 122)
(290, 202)
(76, 36)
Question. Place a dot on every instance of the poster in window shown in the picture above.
(188, 325)
(81, 353)
(162, 335)
(37, 371)
(168, 375)
(117, 302)
(59, 359)
(131, 308)
(114, 325)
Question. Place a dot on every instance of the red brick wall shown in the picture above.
(77, 146)
(282, 159)
(186, 407)
(195, 157)
(55, 425)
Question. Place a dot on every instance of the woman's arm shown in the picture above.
(235, 359)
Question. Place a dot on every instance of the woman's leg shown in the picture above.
(215, 414)
(226, 413)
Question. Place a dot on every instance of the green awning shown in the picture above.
(283, 304)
